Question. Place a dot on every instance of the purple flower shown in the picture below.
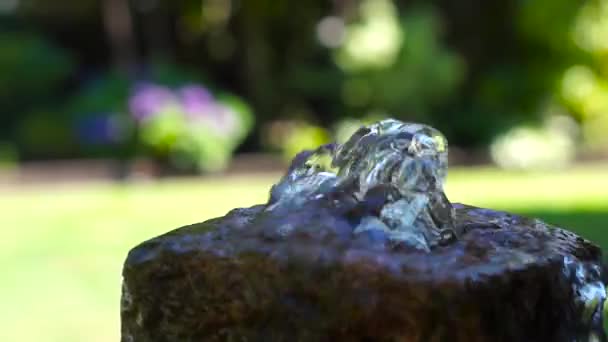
(196, 101)
(148, 99)
(218, 118)
(199, 105)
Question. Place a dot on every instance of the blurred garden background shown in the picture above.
(122, 119)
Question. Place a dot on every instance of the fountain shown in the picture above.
(359, 242)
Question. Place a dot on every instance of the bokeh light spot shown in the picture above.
(9, 6)
(330, 31)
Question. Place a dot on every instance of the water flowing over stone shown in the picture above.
(409, 159)
(358, 242)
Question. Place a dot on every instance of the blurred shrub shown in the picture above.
(168, 117)
(551, 145)
(585, 86)
(99, 121)
(8, 155)
(188, 125)
(30, 67)
(396, 64)
(414, 60)
(45, 134)
(293, 136)
(32, 72)
(586, 94)
(374, 40)
(574, 35)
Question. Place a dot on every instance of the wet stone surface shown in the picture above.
(346, 251)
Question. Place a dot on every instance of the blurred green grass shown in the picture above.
(62, 246)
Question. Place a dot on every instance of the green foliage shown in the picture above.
(8, 155)
(111, 91)
(417, 61)
(30, 67)
(548, 23)
(172, 75)
(304, 137)
(93, 109)
(187, 144)
(188, 126)
(45, 134)
(293, 136)
(32, 71)
(422, 74)
(388, 62)
(164, 129)
(428, 72)
(108, 93)
(585, 84)
(116, 116)
(574, 34)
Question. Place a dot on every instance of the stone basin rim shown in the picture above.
(475, 256)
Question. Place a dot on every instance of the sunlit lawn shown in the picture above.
(62, 247)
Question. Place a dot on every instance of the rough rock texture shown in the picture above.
(302, 275)
(358, 242)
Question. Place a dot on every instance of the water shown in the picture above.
(410, 160)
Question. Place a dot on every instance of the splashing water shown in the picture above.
(404, 163)
(589, 296)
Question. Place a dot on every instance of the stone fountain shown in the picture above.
(359, 242)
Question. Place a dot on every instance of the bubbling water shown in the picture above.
(410, 160)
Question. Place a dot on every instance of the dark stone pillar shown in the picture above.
(255, 275)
